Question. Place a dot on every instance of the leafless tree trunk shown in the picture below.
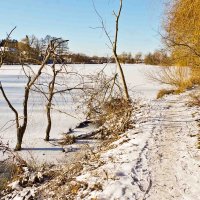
(51, 92)
(31, 81)
(114, 44)
(20, 128)
(49, 103)
(55, 87)
(117, 16)
(3, 51)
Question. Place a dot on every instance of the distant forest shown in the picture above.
(31, 50)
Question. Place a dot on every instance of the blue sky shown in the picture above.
(72, 19)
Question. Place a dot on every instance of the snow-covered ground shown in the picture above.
(157, 159)
(13, 81)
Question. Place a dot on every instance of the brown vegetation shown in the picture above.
(106, 106)
(178, 77)
(8, 171)
(182, 42)
(158, 58)
(182, 35)
(195, 99)
(164, 92)
(67, 139)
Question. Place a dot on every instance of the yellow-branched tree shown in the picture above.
(182, 34)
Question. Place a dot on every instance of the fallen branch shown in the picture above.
(90, 134)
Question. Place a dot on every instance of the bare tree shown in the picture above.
(57, 79)
(54, 90)
(138, 57)
(3, 50)
(114, 44)
(117, 16)
(21, 128)
(49, 100)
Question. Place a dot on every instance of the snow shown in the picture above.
(15, 185)
(158, 160)
(13, 81)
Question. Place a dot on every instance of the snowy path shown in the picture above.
(173, 160)
(157, 160)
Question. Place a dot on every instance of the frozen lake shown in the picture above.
(13, 80)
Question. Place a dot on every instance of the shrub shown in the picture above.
(195, 75)
(164, 92)
(106, 106)
(180, 78)
(7, 171)
(68, 139)
(114, 116)
(195, 99)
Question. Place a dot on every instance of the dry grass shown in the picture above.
(164, 92)
(10, 168)
(195, 76)
(63, 185)
(8, 171)
(67, 140)
(114, 116)
(195, 99)
(181, 78)
(75, 186)
(97, 187)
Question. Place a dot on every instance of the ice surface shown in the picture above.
(13, 81)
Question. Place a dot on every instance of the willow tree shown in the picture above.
(182, 36)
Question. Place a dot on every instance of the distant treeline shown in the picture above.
(31, 50)
(158, 58)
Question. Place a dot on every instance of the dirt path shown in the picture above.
(173, 160)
